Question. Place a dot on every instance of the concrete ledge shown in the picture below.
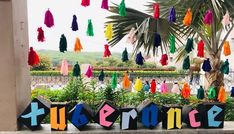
(96, 129)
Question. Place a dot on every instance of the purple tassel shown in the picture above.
(49, 19)
(172, 15)
(74, 23)
(105, 4)
(208, 18)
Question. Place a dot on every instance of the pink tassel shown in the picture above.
(105, 4)
(89, 72)
(156, 11)
(85, 3)
(64, 68)
(226, 19)
(49, 19)
(208, 19)
(164, 88)
(40, 36)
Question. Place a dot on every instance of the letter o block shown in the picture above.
(172, 117)
(191, 117)
(106, 115)
(128, 119)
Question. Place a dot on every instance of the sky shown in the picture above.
(63, 11)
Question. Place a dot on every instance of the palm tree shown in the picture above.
(197, 30)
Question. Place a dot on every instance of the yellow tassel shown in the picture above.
(126, 81)
(188, 17)
(222, 95)
(78, 47)
(109, 31)
(226, 48)
(138, 85)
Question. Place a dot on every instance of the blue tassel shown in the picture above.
(172, 15)
(139, 59)
(74, 23)
(206, 65)
(157, 40)
(232, 92)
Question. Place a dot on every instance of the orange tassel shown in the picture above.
(126, 81)
(185, 92)
(78, 47)
(222, 95)
(188, 17)
(226, 48)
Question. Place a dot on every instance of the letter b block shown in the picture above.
(58, 117)
(172, 117)
(106, 115)
(128, 119)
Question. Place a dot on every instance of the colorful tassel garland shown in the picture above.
(175, 89)
(85, 3)
(107, 52)
(109, 31)
(64, 68)
(226, 48)
(157, 40)
(63, 44)
(164, 59)
(140, 59)
(33, 58)
(164, 88)
(114, 80)
(138, 85)
(212, 93)
(232, 92)
(200, 93)
(76, 70)
(189, 45)
(208, 18)
(225, 67)
(206, 67)
(78, 47)
(125, 55)
(153, 86)
(105, 4)
(222, 95)
(172, 15)
(156, 11)
(49, 19)
(200, 49)
(89, 72)
(146, 87)
(101, 76)
(74, 24)
(40, 36)
(122, 8)
(188, 17)
(132, 36)
(172, 44)
(126, 82)
(186, 63)
(185, 92)
(226, 19)
(89, 31)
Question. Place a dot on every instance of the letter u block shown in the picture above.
(106, 115)
(128, 119)
(35, 112)
(172, 117)
(58, 117)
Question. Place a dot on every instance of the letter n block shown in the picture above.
(191, 117)
(212, 114)
(172, 117)
(149, 114)
(58, 117)
(128, 119)
(106, 115)
(35, 112)
(80, 115)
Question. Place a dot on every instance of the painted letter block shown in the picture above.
(106, 115)
(191, 117)
(80, 115)
(149, 114)
(212, 114)
(58, 117)
(172, 117)
(128, 119)
(35, 112)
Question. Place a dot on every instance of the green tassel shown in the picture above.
(101, 76)
(212, 93)
(125, 55)
(122, 9)
(200, 93)
(186, 63)
(172, 44)
(89, 31)
(189, 45)
(76, 70)
(114, 81)
(225, 67)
